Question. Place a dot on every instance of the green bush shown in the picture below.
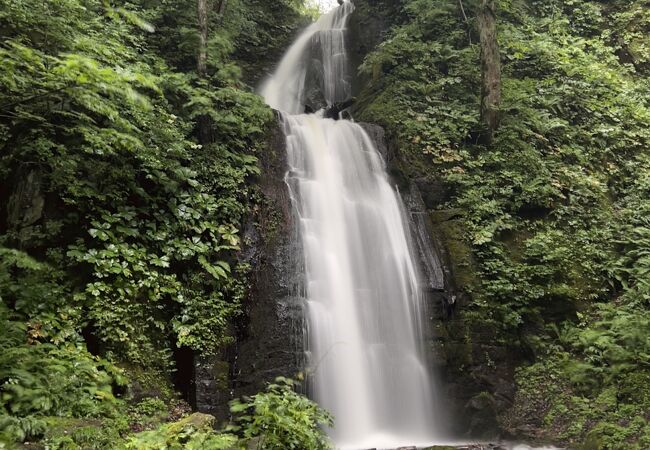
(282, 419)
(195, 432)
(41, 379)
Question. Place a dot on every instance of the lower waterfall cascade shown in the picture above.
(365, 317)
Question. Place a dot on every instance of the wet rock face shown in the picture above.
(269, 332)
(378, 137)
(269, 340)
(314, 98)
(368, 26)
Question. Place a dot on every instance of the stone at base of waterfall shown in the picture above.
(468, 447)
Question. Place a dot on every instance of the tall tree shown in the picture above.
(202, 59)
(490, 68)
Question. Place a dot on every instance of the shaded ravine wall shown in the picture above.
(269, 335)
(476, 375)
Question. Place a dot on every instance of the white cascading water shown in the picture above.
(361, 277)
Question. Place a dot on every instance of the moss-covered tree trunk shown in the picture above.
(490, 68)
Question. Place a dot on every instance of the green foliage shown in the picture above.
(148, 413)
(277, 418)
(614, 344)
(191, 433)
(77, 434)
(42, 379)
(282, 419)
(145, 219)
(611, 417)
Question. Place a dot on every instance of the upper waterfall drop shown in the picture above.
(362, 280)
(317, 55)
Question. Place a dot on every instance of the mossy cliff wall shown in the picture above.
(268, 334)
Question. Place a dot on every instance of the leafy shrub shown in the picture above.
(191, 433)
(42, 379)
(282, 419)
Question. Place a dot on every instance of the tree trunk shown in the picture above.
(202, 59)
(203, 122)
(221, 8)
(490, 68)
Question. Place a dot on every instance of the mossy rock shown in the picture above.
(200, 421)
(71, 433)
(148, 382)
(450, 232)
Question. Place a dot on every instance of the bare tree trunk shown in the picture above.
(221, 8)
(202, 59)
(490, 68)
(203, 122)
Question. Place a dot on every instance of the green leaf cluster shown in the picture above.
(280, 418)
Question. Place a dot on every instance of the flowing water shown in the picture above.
(361, 276)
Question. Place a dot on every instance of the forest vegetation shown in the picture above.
(130, 136)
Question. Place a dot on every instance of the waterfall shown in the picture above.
(364, 338)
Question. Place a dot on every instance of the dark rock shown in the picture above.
(269, 333)
(378, 137)
(368, 26)
(334, 111)
(269, 340)
(212, 385)
(314, 98)
(428, 247)
(25, 205)
(435, 191)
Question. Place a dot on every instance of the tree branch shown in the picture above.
(7, 106)
(469, 28)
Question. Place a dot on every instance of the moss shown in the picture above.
(548, 406)
(69, 434)
(199, 421)
(452, 236)
(221, 370)
(515, 243)
(271, 223)
(148, 382)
